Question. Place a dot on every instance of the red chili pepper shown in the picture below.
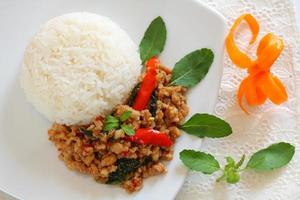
(151, 136)
(147, 86)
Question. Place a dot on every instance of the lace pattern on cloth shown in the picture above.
(266, 124)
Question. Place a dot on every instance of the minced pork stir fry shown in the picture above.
(129, 145)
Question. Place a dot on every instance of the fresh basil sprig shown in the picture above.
(273, 157)
(192, 68)
(205, 125)
(232, 170)
(112, 122)
(154, 39)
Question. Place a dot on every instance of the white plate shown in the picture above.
(29, 167)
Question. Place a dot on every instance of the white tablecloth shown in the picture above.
(266, 124)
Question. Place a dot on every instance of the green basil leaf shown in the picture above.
(205, 125)
(125, 166)
(110, 123)
(273, 157)
(199, 161)
(192, 68)
(110, 126)
(111, 119)
(125, 115)
(127, 129)
(154, 39)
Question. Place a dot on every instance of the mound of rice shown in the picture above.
(78, 66)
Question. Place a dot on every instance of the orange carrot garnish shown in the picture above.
(260, 84)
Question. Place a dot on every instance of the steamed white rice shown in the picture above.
(78, 66)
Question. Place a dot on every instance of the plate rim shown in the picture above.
(222, 53)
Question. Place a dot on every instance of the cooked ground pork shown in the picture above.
(108, 156)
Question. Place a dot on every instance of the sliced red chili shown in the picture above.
(148, 85)
(151, 136)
